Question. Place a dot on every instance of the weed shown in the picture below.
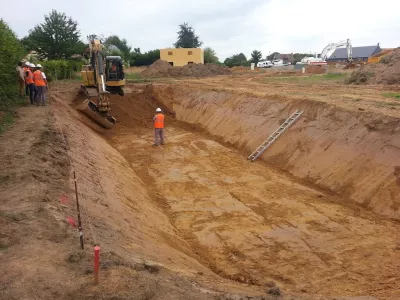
(391, 95)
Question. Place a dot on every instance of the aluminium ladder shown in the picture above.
(273, 137)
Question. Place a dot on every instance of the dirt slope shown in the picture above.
(351, 153)
(385, 72)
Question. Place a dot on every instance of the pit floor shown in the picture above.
(253, 224)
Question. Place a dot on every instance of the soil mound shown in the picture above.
(161, 68)
(385, 72)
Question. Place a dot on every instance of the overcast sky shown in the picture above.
(227, 26)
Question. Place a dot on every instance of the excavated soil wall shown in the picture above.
(352, 154)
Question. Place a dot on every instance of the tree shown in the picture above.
(143, 59)
(120, 44)
(272, 56)
(236, 60)
(187, 37)
(256, 56)
(299, 56)
(210, 56)
(56, 38)
(11, 52)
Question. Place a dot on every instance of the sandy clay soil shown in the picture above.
(193, 219)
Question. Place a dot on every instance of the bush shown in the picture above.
(61, 69)
(11, 52)
(358, 77)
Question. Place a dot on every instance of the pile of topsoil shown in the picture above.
(387, 71)
(161, 68)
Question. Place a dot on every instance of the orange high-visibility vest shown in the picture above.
(38, 78)
(159, 121)
(29, 78)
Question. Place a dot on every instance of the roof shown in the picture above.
(358, 52)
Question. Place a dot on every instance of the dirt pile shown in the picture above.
(315, 69)
(385, 72)
(162, 68)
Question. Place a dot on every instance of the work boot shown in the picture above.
(155, 145)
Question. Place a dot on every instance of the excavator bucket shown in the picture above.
(90, 109)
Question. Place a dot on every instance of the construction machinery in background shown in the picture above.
(327, 51)
(103, 76)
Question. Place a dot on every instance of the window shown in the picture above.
(190, 52)
(169, 52)
(190, 62)
(171, 63)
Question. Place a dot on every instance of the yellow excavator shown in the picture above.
(104, 75)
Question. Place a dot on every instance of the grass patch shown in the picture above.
(315, 78)
(391, 95)
(8, 114)
(135, 77)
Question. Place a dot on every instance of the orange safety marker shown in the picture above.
(96, 263)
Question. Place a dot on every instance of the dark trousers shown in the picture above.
(39, 98)
(158, 135)
(32, 92)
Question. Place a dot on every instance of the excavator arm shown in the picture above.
(94, 86)
(333, 46)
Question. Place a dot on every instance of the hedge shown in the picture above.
(11, 52)
(61, 69)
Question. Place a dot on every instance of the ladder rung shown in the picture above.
(272, 138)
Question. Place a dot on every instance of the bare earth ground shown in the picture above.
(190, 220)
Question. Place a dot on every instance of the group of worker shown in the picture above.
(32, 82)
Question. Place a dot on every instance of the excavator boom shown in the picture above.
(102, 77)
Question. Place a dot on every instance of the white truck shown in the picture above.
(264, 64)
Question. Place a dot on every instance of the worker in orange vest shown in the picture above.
(41, 84)
(158, 127)
(30, 83)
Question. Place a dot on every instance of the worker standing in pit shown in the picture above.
(41, 83)
(158, 127)
(30, 83)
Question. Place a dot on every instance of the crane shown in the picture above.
(321, 59)
(103, 76)
(333, 46)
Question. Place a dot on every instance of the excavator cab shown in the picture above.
(115, 77)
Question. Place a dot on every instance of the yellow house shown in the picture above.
(182, 56)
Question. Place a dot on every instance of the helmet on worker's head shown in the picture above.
(27, 63)
(158, 110)
(32, 66)
(39, 66)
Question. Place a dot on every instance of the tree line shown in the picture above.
(58, 37)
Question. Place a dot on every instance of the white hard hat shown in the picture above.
(39, 66)
(32, 65)
(27, 63)
(158, 110)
